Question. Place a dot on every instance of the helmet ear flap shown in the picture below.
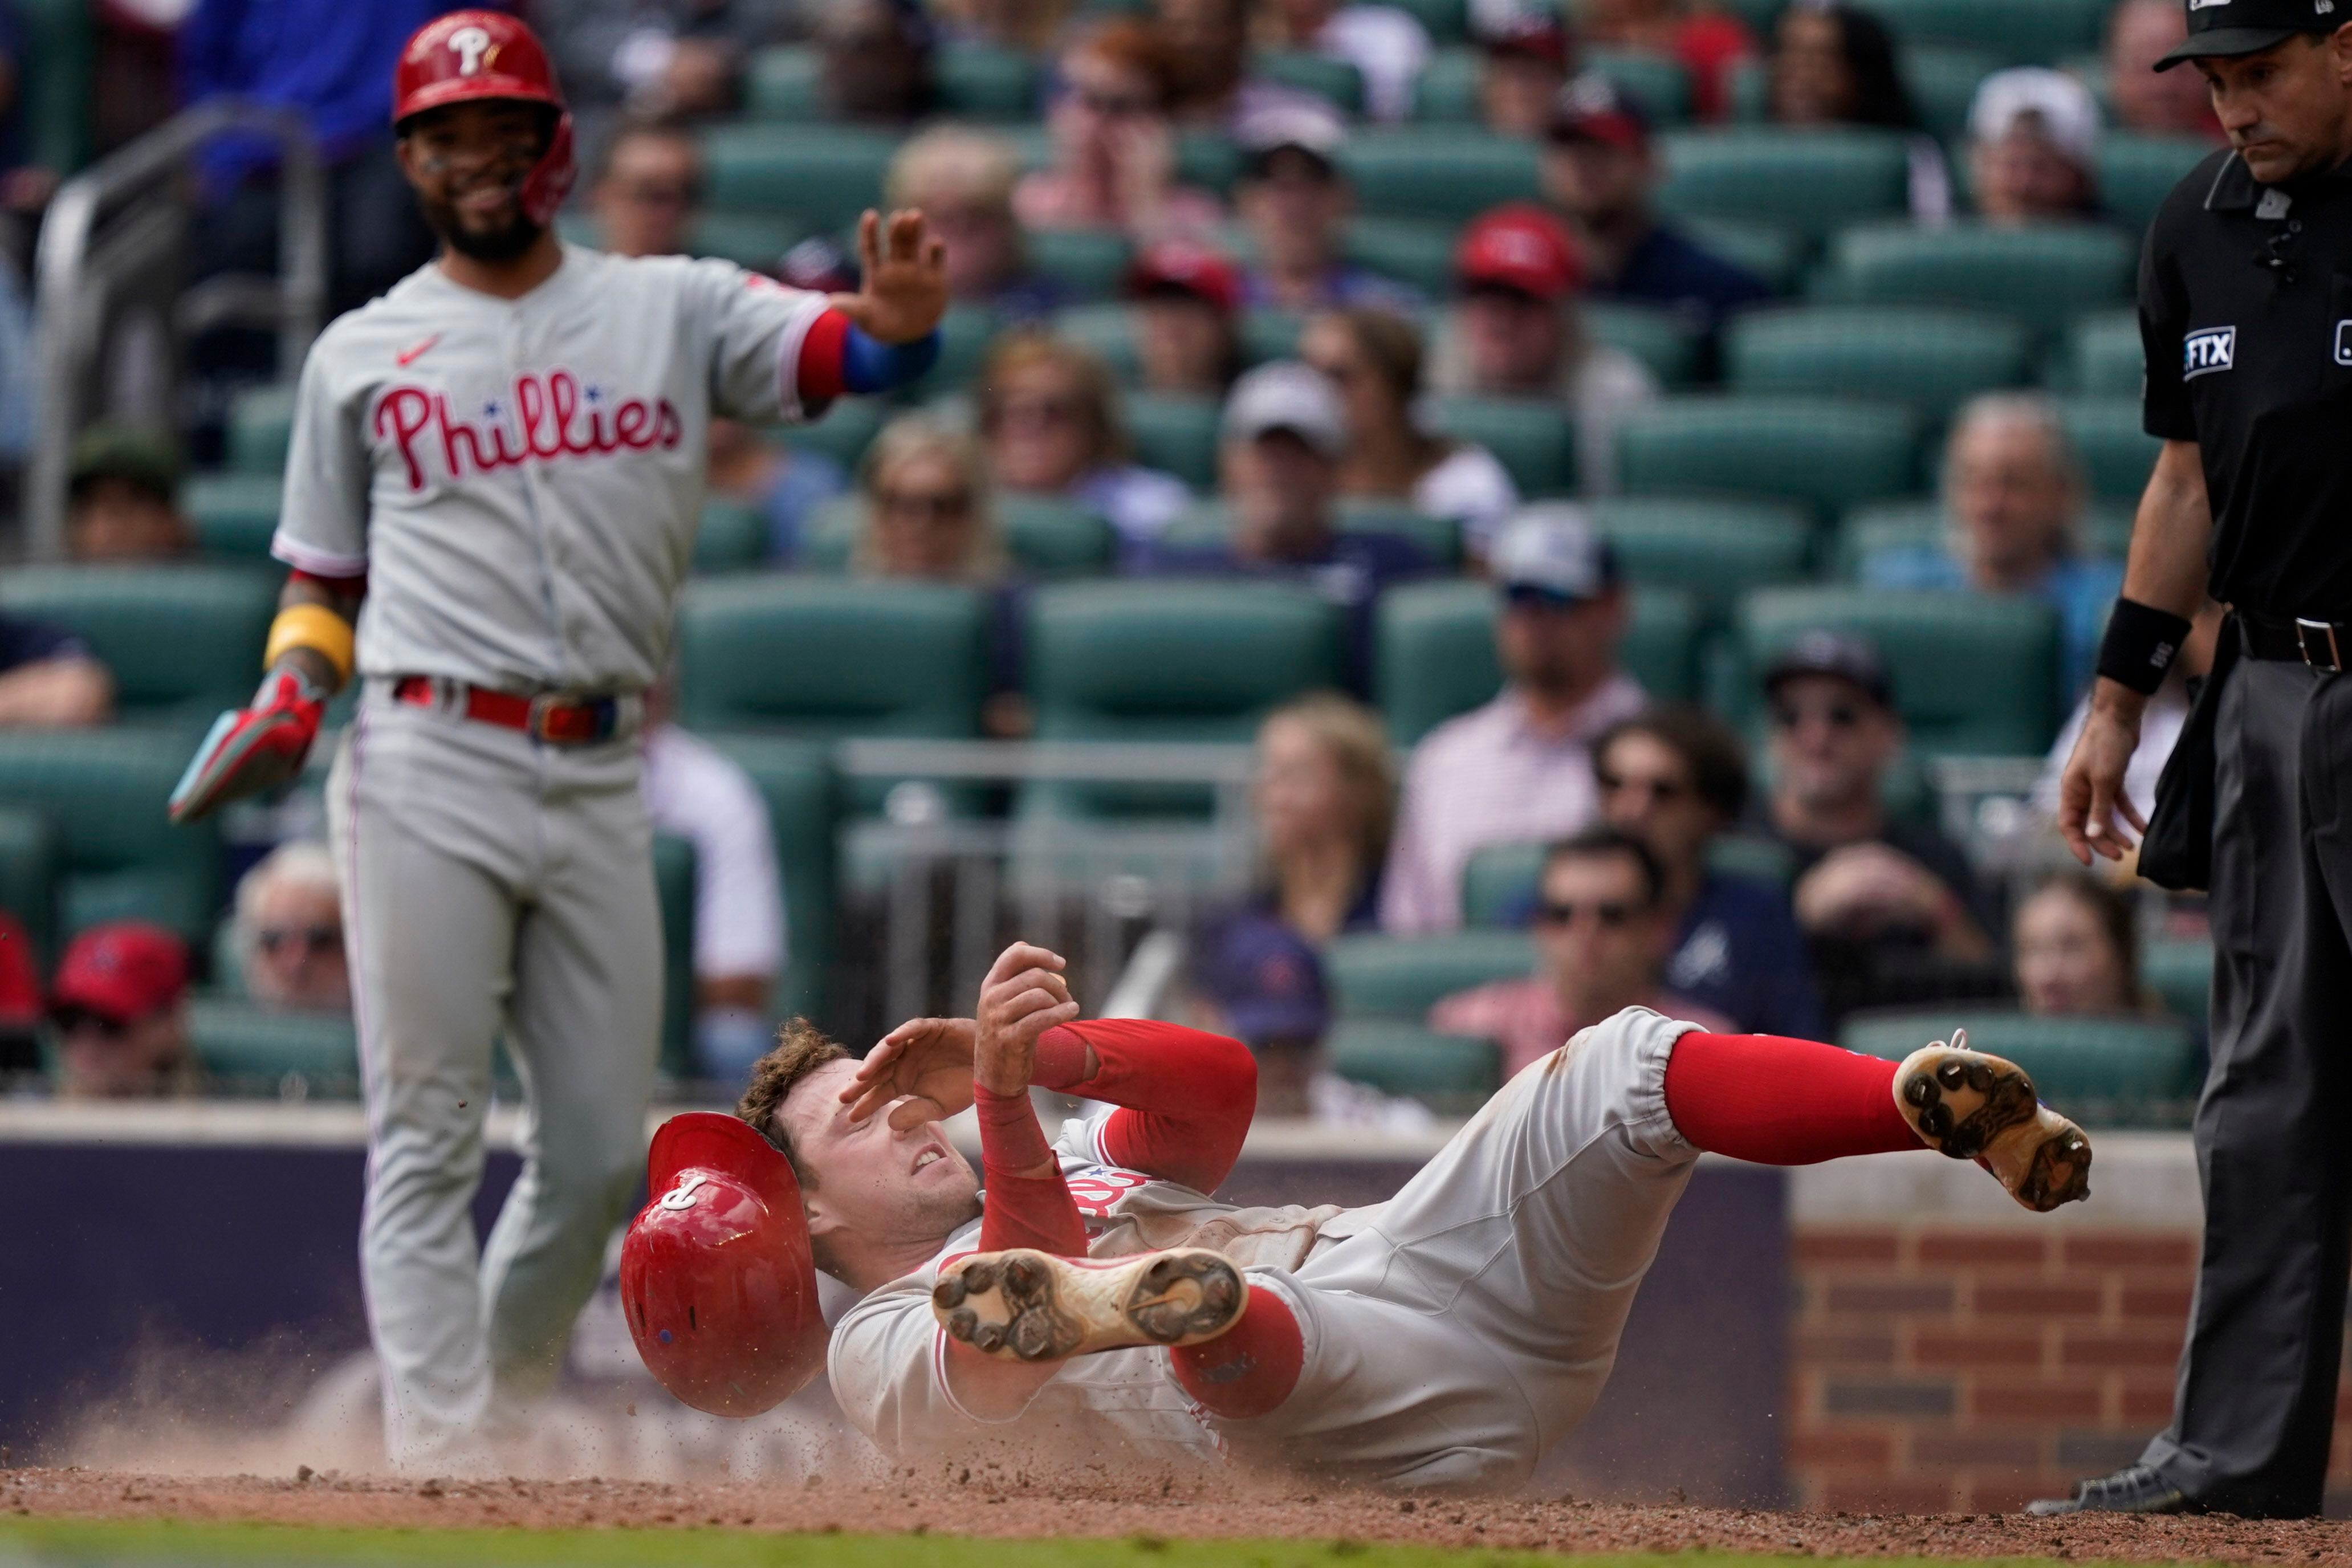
(550, 181)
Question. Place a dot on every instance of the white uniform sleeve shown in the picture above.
(323, 519)
(757, 327)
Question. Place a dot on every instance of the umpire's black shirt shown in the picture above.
(2245, 311)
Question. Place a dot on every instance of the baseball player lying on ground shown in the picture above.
(1448, 1337)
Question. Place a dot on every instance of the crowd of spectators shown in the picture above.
(1844, 898)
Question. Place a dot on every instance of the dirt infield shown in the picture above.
(999, 1502)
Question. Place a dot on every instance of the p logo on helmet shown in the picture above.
(717, 1276)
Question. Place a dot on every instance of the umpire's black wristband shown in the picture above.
(2140, 646)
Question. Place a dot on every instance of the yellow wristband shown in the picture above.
(317, 627)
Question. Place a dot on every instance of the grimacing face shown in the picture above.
(868, 1179)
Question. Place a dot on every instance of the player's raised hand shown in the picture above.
(924, 1064)
(1023, 996)
(903, 279)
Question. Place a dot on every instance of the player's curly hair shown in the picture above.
(800, 1048)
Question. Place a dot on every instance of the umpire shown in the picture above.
(2246, 309)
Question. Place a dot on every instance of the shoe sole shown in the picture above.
(1968, 1105)
(1030, 1306)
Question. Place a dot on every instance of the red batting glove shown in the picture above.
(253, 749)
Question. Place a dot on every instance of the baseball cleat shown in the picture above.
(1024, 1305)
(1971, 1106)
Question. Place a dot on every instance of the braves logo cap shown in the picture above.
(2222, 29)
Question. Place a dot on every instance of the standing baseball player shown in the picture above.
(1448, 1337)
(490, 500)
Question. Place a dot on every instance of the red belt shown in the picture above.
(582, 722)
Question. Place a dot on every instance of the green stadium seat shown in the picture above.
(804, 795)
(1713, 549)
(1445, 21)
(1414, 251)
(2078, 1064)
(1812, 181)
(732, 537)
(2104, 357)
(1376, 976)
(59, 38)
(1670, 345)
(785, 84)
(118, 856)
(1168, 659)
(986, 82)
(1105, 329)
(749, 239)
(1773, 252)
(966, 334)
(1208, 159)
(29, 857)
(848, 427)
(261, 426)
(1270, 333)
(1894, 525)
(1659, 83)
(1440, 538)
(1434, 650)
(674, 877)
(1532, 438)
(183, 641)
(1943, 82)
(1437, 172)
(2045, 276)
(1336, 81)
(1089, 263)
(1828, 453)
(1175, 434)
(2181, 971)
(1051, 537)
(2117, 454)
(2137, 172)
(1174, 660)
(826, 175)
(248, 1048)
(1927, 359)
(235, 516)
(2020, 32)
(1451, 1074)
(822, 658)
(1973, 674)
(1446, 91)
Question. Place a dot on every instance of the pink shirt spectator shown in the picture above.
(1488, 778)
(1526, 1018)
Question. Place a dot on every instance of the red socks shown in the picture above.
(1250, 1368)
(1781, 1101)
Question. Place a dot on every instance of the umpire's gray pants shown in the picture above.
(490, 881)
(2256, 1399)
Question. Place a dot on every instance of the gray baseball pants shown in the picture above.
(490, 882)
(2255, 1406)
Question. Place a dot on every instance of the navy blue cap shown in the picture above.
(1264, 977)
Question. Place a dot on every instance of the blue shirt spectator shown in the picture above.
(1739, 951)
(2082, 592)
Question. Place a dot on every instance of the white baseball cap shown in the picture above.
(1288, 395)
(2062, 110)
(1551, 547)
(1298, 121)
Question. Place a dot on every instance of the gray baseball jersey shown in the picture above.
(521, 479)
(1452, 1334)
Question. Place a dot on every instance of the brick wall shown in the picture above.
(1949, 1350)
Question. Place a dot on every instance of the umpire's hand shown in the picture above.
(2091, 795)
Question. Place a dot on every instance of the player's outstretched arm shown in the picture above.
(262, 744)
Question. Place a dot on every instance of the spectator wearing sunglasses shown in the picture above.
(648, 192)
(1519, 769)
(1602, 931)
(1675, 777)
(119, 1006)
(288, 931)
(1048, 411)
(1892, 910)
(1114, 148)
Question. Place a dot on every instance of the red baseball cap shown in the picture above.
(1537, 37)
(1186, 267)
(125, 971)
(1523, 249)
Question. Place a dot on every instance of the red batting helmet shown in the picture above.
(470, 55)
(717, 1277)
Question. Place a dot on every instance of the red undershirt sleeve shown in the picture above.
(819, 367)
(1029, 1204)
(1186, 1096)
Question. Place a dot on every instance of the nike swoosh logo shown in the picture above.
(409, 357)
